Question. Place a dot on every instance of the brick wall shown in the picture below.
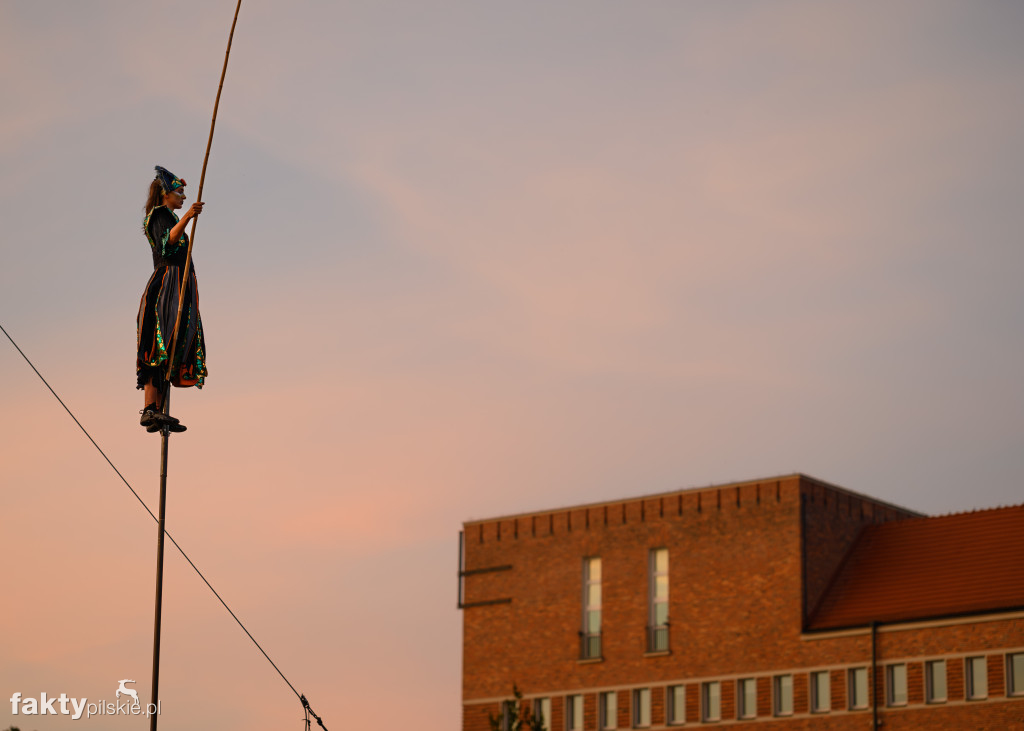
(735, 588)
(740, 560)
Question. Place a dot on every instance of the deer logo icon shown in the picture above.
(127, 691)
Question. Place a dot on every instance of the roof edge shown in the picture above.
(804, 478)
(862, 496)
(995, 613)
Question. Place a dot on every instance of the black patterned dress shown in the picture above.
(158, 310)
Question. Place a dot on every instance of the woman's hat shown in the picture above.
(168, 180)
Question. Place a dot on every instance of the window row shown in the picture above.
(703, 702)
(709, 706)
(936, 679)
(715, 700)
(657, 605)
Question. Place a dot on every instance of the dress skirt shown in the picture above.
(158, 311)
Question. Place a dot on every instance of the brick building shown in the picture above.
(785, 603)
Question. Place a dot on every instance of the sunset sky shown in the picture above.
(466, 259)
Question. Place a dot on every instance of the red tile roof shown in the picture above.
(924, 568)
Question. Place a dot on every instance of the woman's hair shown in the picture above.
(155, 197)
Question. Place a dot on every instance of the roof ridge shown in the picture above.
(954, 514)
(976, 511)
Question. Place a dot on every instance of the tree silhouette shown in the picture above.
(514, 717)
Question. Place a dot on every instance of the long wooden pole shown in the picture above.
(199, 197)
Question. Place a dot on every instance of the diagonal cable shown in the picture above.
(146, 507)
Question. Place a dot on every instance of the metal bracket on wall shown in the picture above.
(473, 572)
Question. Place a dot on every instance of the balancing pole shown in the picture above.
(199, 197)
(166, 387)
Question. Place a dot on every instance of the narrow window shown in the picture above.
(783, 695)
(977, 678)
(821, 692)
(641, 708)
(542, 711)
(574, 713)
(711, 693)
(1015, 673)
(657, 631)
(676, 711)
(746, 698)
(896, 684)
(590, 635)
(935, 681)
(857, 688)
(608, 709)
(507, 708)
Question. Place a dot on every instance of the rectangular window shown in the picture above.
(746, 698)
(657, 629)
(590, 635)
(676, 698)
(641, 708)
(976, 672)
(574, 713)
(542, 711)
(896, 684)
(711, 701)
(507, 710)
(821, 692)
(783, 695)
(857, 688)
(1015, 673)
(935, 681)
(608, 710)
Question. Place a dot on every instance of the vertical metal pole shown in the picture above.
(164, 439)
(165, 432)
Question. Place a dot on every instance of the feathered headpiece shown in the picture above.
(168, 180)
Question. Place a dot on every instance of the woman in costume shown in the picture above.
(158, 309)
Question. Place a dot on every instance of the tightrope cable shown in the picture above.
(302, 698)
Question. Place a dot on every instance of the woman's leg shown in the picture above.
(152, 395)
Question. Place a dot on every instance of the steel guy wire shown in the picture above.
(142, 502)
